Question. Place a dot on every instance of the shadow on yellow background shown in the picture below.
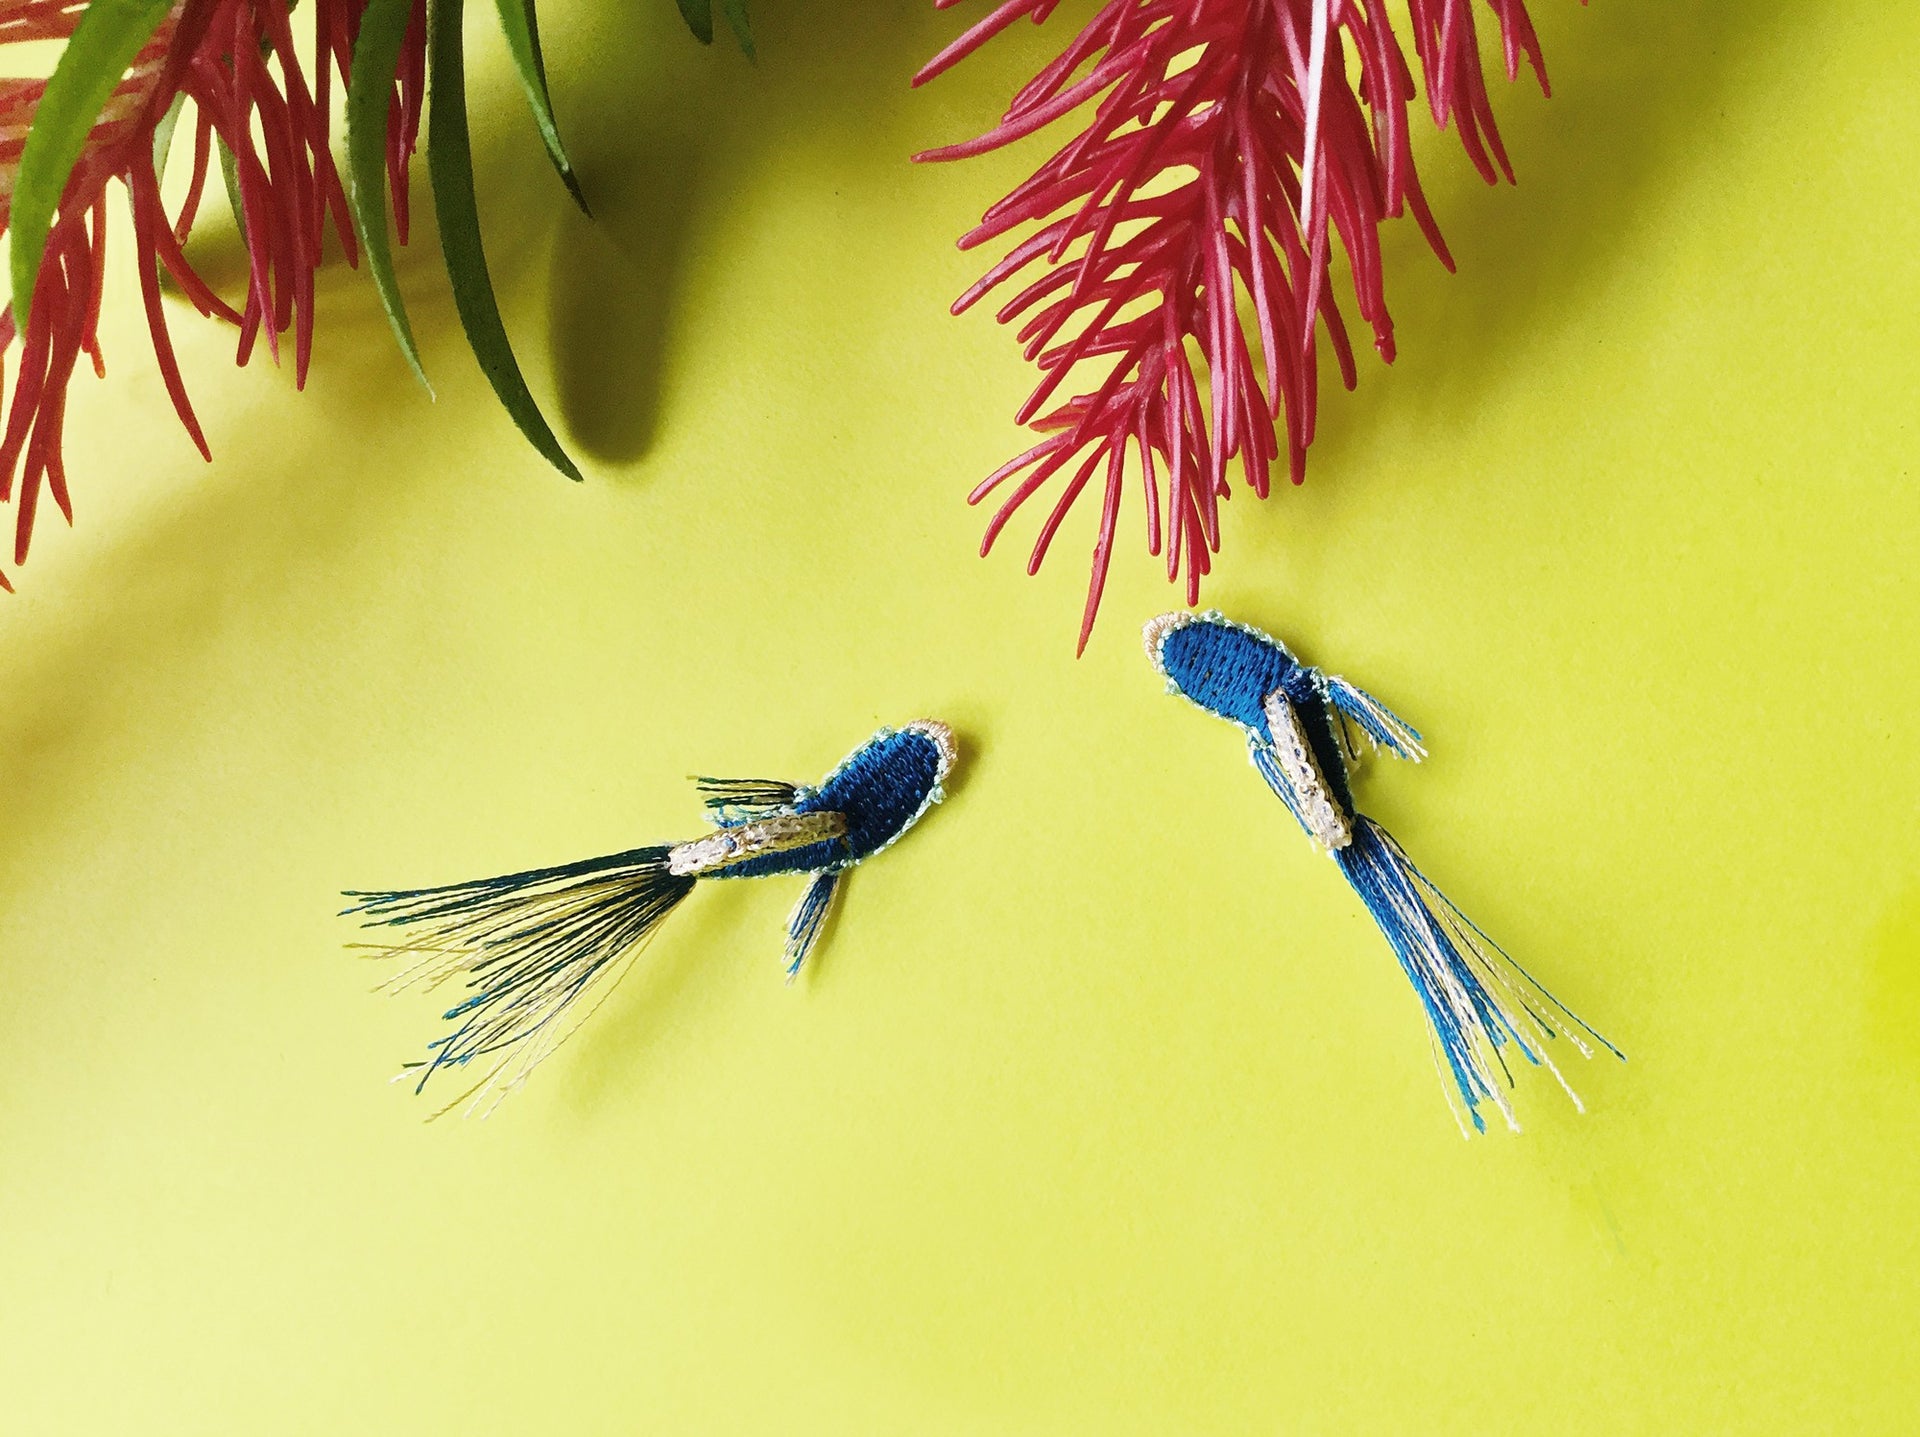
(1105, 1109)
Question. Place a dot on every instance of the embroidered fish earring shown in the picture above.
(533, 945)
(1300, 727)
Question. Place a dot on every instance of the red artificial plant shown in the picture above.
(227, 72)
(1175, 253)
(252, 106)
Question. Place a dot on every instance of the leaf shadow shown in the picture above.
(1640, 88)
(676, 136)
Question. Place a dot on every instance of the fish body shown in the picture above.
(1302, 728)
(1246, 677)
(540, 948)
(881, 789)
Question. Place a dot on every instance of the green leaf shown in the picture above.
(376, 60)
(450, 168)
(163, 136)
(699, 17)
(522, 29)
(736, 13)
(104, 43)
(230, 181)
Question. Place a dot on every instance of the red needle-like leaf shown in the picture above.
(236, 61)
(1188, 229)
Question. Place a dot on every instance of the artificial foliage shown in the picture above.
(1170, 270)
(221, 85)
(1172, 259)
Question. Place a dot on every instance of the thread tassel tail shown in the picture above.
(531, 947)
(1478, 1002)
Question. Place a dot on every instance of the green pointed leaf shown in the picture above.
(522, 29)
(450, 168)
(736, 13)
(230, 182)
(376, 60)
(163, 136)
(104, 43)
(699, 17)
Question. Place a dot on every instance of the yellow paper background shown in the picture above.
(1105, 1109)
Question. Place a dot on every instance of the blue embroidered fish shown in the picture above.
(533, 945)
(1299, 724)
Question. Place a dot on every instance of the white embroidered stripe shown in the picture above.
(775, 834)
(1330, 828)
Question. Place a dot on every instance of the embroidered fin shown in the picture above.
(745, 795)
(1375, 719)
(1268, 762)
(809, 919)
